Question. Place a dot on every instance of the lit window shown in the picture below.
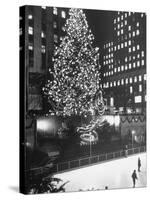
(115, 70)
(42, 34)
(129, 42)
(137, 24)
(130, 79)
(121, 31)
(118, 47)
(30, 17)
(118, 19)
(129, 28)
(138, 56)
(125, 22)
(138, 99)
(121, 45)
(44, 7)
(121, 24)
(138, 63)
(133, 57)
(114, 83)
(122, 67)
(135, 79)
(137, 32)
(131, 89)
(129, 50)
(144, 77)
(118, 69)
(138, 47)
(126, 80)
(30, 47)
(55, 38)
(133, 34)
(111, 84)
(122, 81)
(125, 14)
(126, 59)
(121, 17)
(118, 82)
(43, 49)
(55, 11)
(130, 66)
(142, 53)
(140, 88)
(134, 65)
(140, 78)
(129, 13)
(142, 15)
(55, 25)
(126, 67)
(30, 30)
(142, 62)
(115, 48)
(118, 26)
(129, 35)
(118, 33)
(133, 48)
(63, 14)
(114, 21)
(125, 44)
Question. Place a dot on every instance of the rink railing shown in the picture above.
(86, 161)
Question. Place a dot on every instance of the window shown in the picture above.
(138, 47)
(122, 68)
(115, 70)
(137, 24)
(118, 47)
(133, 34)
(137, 32)
(129, 28)
(142, 62)
(30, 47)
(138, 63)
(118, 69)
(125, 14)
(118, 19)
(138, 99)
(126, 59)
(121, 17)
(118, 82)
(140, 78)
(121, 45)
(43, 49)
(114, 83)
(63, 14)
(118, 26)
(118, 33)
(125, 44)
(122, 82)
(126, 80)
(130, 66)
(42, 34)
(144, 77)
(55, 38)
(131, 89)
(30, 30)
(125, 22)
(140, 88)
(129, 42)
(142, 53)
(121, 31)
(111, 84)
(129, 35)
(134, 65)
(135, 79)
(55, 11)
(129, 50)
(114, 21)
(133, 48)
(111, 101)
(55, 25)
(130, 79)
(126, 67)
(30, 17)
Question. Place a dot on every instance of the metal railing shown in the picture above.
(86, 161)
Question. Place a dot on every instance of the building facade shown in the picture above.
(43, 30)
(124, 64)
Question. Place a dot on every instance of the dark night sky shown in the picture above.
(101, 24)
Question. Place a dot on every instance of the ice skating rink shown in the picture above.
(113, 174)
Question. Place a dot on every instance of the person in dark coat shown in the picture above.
(139, 164)
(134, 177)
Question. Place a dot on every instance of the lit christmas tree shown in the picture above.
(75, 85)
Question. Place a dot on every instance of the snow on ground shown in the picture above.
(113, 174)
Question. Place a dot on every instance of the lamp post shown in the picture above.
(133, 132)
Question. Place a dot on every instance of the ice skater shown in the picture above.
(139, 164)
(134, 177)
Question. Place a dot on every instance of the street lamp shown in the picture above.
(133, 132)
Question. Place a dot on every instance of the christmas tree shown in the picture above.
(75, 84)
(74, 88)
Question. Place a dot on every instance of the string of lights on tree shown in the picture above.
(74, 87)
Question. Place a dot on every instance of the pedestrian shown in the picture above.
(134, 177)
(139, 164)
